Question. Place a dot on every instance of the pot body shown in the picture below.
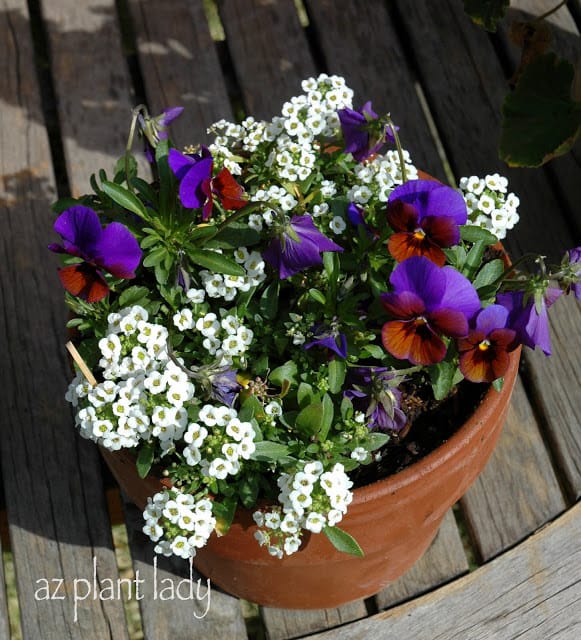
(394, 520)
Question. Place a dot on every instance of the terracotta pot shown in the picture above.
(394, 520)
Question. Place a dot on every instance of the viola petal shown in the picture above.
(459, 293)
(229, 192)
(84, 281)
(180, 163)
(414, 274)
(484, 366)
(495, 316)
(118, 251)
(404, 306)
(412, 341)
(448, 322)
(402, 216)
(80, 229)
(442, 230)
(405, 245)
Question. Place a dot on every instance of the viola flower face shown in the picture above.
(427, 302)
(298, 247)
(357, 126)
(112, 249)
(529, 317)
(425, 216)
(372, 393)
(484, 352)
(198, 187)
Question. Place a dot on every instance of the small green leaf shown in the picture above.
(287, 371)
(489, 274)
(224, 513)
(267, 451)
(155, 257)
(473, 233)
(305, 395)
(376, 440)
(125, 198)
(268, 304)
(309, 419)
(145, 459)
(317, 296)
(215, 262)
(540, 120)
(336, 377)
(442, 378)
(202, 233)
(234, 236)
(343, 541)
(132, 296)
(486, 13)
(498, 384)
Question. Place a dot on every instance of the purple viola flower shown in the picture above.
(358, 131)
(197, 186)
(297, 247)
(112, 249)
(528, 316)
(156, 129)
(374, 393)
(165, 119)
(225, 387)
(484, 351)
(427, 302)
(574, 256)
(425, 216)
(329, 338)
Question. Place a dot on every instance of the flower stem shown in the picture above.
(551, 11)
(399, 148)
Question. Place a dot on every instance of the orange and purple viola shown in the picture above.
(425, 216)
(111, 249)
(427, 303)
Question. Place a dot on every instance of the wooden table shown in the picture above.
(70, 71)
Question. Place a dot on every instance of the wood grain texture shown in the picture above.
(180, 66)
(444, 560)
(92, 84)
(465, 86)
(176, 604)
(359, 42)
(518, 490)
(269, 52)
(531, 592)
(52, 483)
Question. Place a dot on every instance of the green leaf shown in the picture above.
(132, 296)
(268, 304)
(155, 257)
(486, 13)
(287, 371)
(248, 490)
(489, 273)
(376, 440)
(343, 541)
(234, 236)
(309, 419)
(442, 378)
(224, 513)
(145, 459)
(474, 258)
(125, 198)
(305, 395)
(326, 417)
(498, 384)
(317, 296)
(473, 233)
(267, 451)
(121, 165)
(215, 262)
(540, 120)
(337, 370)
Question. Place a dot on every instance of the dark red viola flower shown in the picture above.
(198, 187)
(484, 351)
(112, 249)
(427, 302)
(425, 216)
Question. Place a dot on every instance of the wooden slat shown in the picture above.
(4, 621)
(175, 605)
(497, 600)
(56, 511)
(518, 490)
(444, 560)
(359, 42)
(179, 63)
(465, 89)
(269, 52)
(92, 84)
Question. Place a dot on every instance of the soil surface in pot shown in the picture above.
(431, 423)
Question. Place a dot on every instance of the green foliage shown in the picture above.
(343, 541)
(486, 13)
(540, 119)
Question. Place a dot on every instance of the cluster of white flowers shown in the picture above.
(490, 206)
(218, 442)
(178, 523)
(311, 500)
(143, 394)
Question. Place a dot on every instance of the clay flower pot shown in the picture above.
(394, 520)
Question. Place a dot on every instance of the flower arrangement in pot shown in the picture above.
(263, 325)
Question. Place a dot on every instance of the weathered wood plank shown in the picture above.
(52, 484)
(175, 603)
(465, 89)
(180, 65)
(269, 52)
(359, 42)
(4, 620)
(444, 560)
(532, 591)
(518, 491)
(92, 85)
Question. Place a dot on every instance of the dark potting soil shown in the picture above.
(430, 424)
